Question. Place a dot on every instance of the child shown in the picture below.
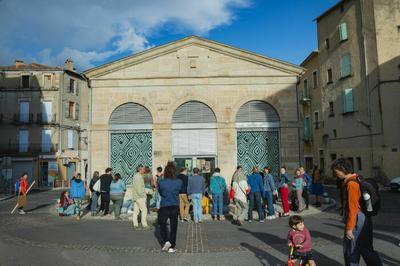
(299, 239)
(66, 207)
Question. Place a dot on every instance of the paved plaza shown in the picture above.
(42, 238)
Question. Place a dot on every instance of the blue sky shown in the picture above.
(93, 32)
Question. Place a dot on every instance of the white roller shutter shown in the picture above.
(194, 142)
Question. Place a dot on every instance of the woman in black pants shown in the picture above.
(169, 189)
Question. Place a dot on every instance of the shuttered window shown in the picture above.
(343, 31)
(23, 140)
(193, 112)
(257, 114)
(307, 128)
(194, 131)
(47, 114)
(23, 111)
(345, 65)
(46, 140)
(348, 100)
(131, 113)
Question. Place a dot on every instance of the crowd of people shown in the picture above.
(176, 196)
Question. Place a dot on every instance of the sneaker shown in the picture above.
(166, 246)
(222, 218)
(261, 221)
(186, 219)
(171, 250)
(21, 212)
(249, 221)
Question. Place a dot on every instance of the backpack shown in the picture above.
(17, 187)
(370, 186)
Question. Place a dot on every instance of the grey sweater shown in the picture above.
(196, 185)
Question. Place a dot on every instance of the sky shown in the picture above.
(95, 32)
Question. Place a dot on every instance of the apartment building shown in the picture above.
(44, 121)
(351, 88)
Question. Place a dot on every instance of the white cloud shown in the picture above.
(90, 31)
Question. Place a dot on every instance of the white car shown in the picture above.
(395, 184)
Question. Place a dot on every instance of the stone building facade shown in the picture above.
(198, 102)
(44, 118)
(357, 66)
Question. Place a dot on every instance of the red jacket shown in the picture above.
(23, 185)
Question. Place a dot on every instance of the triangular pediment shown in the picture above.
(193, 56)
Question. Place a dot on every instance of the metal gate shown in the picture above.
(258, 148)
(128, 150)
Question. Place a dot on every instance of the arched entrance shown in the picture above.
(130, 139)
(194, 137)
(257, 125)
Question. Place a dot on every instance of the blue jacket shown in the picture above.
(307, 179)
(169, 191)
(196, 185)
(256, 183)
(117, 188)
(285, 179)
(217, 184)
(269, 183)
(77, 189)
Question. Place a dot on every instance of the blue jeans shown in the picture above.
(78, 203)
(93, 206)
(197, 199)
(270, 202)
(362, 244)
(255, 198)
(157, 199)
(218, 204)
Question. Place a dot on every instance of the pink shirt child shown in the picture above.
(297, 238)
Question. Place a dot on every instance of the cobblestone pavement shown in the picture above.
(42, 238)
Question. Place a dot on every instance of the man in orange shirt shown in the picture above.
(358, 239)
(23, 187)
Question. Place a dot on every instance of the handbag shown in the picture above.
(97, 186)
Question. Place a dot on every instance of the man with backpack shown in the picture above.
(359, 200)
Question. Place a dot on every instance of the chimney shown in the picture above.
(69, 64)
(18, 63)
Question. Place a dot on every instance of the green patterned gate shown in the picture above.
(128, 150)
(258, 148)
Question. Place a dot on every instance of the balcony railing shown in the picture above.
(28, 149)
(23, 118)
(43, 119)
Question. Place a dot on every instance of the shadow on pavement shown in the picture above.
(264, 257)
(270, 239)
(385, 259)
(41, 206)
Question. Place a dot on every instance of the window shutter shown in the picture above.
(193, 112)
(70, 139)
(66, 109)
(46, 140)
(47, 111)
(348, 100)
(76, 111)
(307, 128)
(77, 87)
(345, 65)
(343, 31)
(257, 111)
